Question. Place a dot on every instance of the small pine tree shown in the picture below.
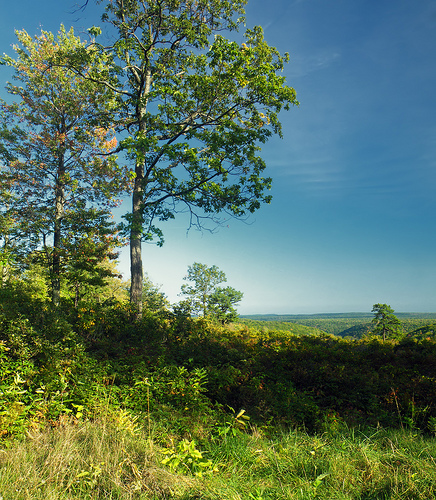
(385, 321)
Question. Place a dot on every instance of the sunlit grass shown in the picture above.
(97, 460)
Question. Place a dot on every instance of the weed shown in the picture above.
(234, 425)
(185, 457)
(432, 425)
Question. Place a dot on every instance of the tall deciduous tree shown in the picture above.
(196, 107)
(54, 141)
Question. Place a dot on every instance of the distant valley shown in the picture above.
(354, 324)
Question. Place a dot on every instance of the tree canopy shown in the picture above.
(205, 297)
(385, 321)
(222, 304)
(54, 141)
(194, 108)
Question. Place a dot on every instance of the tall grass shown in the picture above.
(86, 461)
(109, 459)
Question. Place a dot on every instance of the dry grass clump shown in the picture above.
(112, 458)
(86, 460)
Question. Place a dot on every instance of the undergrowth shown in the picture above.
(100, 460)
(169, 407)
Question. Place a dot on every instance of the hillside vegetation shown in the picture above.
(342, 324)
(96, 404)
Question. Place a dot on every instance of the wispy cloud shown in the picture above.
(305, 64)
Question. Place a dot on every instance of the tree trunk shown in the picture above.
(4, 273)
(136, 275)
(56, 264)
(136, 272)
(57, 232)
(57, 237)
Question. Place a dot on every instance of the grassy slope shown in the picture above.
(102, 460)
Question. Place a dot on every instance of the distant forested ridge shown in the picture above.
(354, 324)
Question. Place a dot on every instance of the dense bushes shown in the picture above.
(300, 380)
(55, 364)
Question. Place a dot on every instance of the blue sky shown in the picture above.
(352, 221)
